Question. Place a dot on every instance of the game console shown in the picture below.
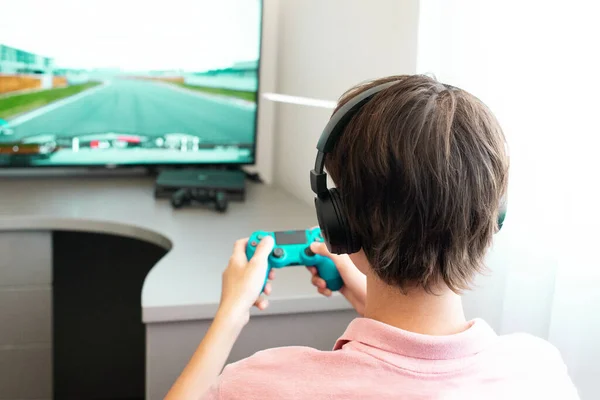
(232, 182)
(292, 248)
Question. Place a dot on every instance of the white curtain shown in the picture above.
(535, 63)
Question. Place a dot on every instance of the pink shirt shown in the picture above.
(373, 360)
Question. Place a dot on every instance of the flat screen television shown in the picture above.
(128, 83)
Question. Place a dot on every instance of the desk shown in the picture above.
(183, 288)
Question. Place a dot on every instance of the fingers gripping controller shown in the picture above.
(292, 248)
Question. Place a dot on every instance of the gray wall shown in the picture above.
(25, 315)
(323, 48)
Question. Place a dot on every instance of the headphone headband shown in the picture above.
(338, 121)
(334, 129)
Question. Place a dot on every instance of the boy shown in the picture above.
(422, 171)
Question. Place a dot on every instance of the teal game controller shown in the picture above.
(292, 248)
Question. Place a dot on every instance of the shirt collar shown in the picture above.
(376, 334)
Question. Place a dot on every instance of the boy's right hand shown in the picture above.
(355, 282)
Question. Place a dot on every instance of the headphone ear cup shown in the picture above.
(332, 222)
(329, 223)
(348, 242)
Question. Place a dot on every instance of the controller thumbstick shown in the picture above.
(179, 198)
(278, 252)
(309, 252)
(220, 201)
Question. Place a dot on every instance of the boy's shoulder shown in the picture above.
(537, 362)
(284, 360)
(530, 348)
(537, 359)
(296, 372)
(277, 356)
(273, 371)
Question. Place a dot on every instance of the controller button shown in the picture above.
(278, 252)
(260, 237)
(308, 252)
(253, 243)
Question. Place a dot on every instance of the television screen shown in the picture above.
(128, 82)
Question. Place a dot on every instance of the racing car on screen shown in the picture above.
(94, 141)
(5, 129)
(109, 140)
(36, 147)
(100, 141)
(44, 146)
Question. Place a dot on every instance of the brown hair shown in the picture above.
(421, 169)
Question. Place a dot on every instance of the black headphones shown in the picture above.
(329, 206)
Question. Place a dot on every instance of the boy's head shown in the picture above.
(421, 169)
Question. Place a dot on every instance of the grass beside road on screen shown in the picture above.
(17, 104)
(239, 94)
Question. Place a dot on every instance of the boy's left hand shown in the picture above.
(243, 279)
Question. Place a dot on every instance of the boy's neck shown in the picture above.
(415, 311)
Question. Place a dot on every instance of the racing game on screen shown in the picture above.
(105, 82)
